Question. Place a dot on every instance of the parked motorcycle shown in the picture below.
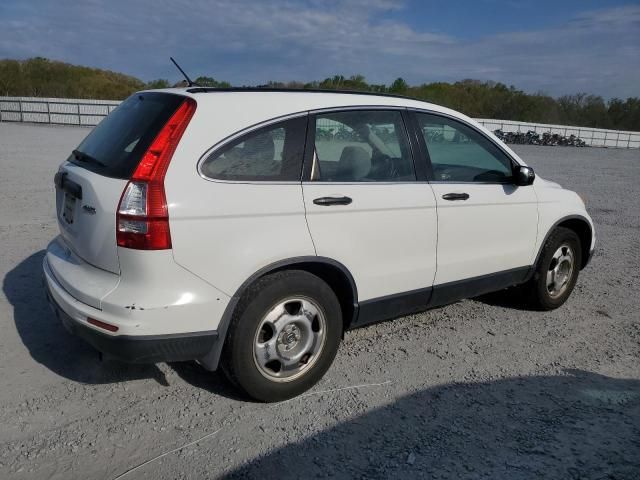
(533, 138)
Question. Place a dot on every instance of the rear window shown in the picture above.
(115, 146)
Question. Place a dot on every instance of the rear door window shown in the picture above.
(116, 145)
(362, 146)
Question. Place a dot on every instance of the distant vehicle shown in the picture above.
(251, 228)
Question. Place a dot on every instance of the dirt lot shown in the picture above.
(471, 390)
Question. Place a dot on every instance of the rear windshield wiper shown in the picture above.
(85, 157)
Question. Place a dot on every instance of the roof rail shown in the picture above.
(298, 90)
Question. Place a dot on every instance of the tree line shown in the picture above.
(40, 77)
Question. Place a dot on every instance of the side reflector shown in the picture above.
(99, 324)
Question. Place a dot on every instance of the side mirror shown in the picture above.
(523, 176)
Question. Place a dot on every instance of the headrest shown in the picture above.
(354, 164)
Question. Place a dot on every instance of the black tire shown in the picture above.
(238, 361)
(536, 292)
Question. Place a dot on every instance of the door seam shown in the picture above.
(306, 220)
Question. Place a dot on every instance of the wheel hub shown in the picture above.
(560, 271)
(289, 338)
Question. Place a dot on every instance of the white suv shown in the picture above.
(252, 227)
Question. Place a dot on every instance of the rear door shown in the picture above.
(486, 224)
(367, 208)
(89, 184)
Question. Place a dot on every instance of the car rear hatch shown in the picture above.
(90, 184)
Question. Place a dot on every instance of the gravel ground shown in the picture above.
(471, 390)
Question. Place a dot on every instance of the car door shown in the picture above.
(367, 209)
(487, 225)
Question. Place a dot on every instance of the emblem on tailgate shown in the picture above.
(89, 209)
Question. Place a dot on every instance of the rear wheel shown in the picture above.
(284, 336)
(556, 272)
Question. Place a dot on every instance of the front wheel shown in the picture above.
(556, 272)
(284, 335)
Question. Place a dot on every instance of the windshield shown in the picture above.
(116, 144)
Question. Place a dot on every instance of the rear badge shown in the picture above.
(89, 209)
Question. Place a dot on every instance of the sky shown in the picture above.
(556, 47)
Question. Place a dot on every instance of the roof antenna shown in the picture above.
(190, 83)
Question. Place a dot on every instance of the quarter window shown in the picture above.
(458, 153)
(362, 146)
(272, 153)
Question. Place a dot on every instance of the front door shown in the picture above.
(487, 226)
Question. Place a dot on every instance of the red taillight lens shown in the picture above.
(156, 159)
(142, 221)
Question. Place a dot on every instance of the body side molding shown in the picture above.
(392, 306)
(449, 292)
(406, 303)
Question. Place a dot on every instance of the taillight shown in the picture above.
(142, 220)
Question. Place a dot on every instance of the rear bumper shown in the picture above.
(152, 296)
(138, 348)
(142, 348)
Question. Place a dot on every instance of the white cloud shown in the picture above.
(252, 41)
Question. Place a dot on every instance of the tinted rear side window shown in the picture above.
(362, 146)
(115, 146)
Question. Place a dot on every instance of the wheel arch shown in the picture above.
(582, 227)
(334, 273)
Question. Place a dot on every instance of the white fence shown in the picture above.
(65, 111)
(59, 111)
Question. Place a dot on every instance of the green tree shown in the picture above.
(211, 82)
(399, 86)
(159, 83)
(42, 77)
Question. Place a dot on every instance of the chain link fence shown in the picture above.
(63, 111)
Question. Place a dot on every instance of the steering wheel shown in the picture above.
(383, 167)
